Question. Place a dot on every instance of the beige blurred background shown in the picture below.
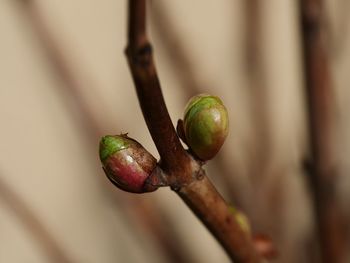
(55, 203)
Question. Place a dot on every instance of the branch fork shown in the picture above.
(177, 168)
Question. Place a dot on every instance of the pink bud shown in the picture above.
(126, 163)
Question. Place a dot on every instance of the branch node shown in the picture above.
(141, 55)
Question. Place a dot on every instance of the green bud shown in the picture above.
(110, 144)
(205, 125)
(126, 163)
(241, 219)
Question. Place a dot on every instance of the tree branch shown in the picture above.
(186, 175)
(139, 53)
(204, 200)
(323, 174)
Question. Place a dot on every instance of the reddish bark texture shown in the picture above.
(185, 174)
(319, 93)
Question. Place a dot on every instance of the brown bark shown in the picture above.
(185, 174)
(319, 93)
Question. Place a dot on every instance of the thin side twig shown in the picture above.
(323, 173)
(185, 177)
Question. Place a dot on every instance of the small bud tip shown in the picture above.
(111, 144)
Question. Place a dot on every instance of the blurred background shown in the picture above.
(64, 82)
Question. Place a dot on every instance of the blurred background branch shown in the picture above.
(33, 224)
(76, 82)
(65, 83)
(323, 172)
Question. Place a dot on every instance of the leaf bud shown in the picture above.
(241, 219)
(127, 163)
(205, 125)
